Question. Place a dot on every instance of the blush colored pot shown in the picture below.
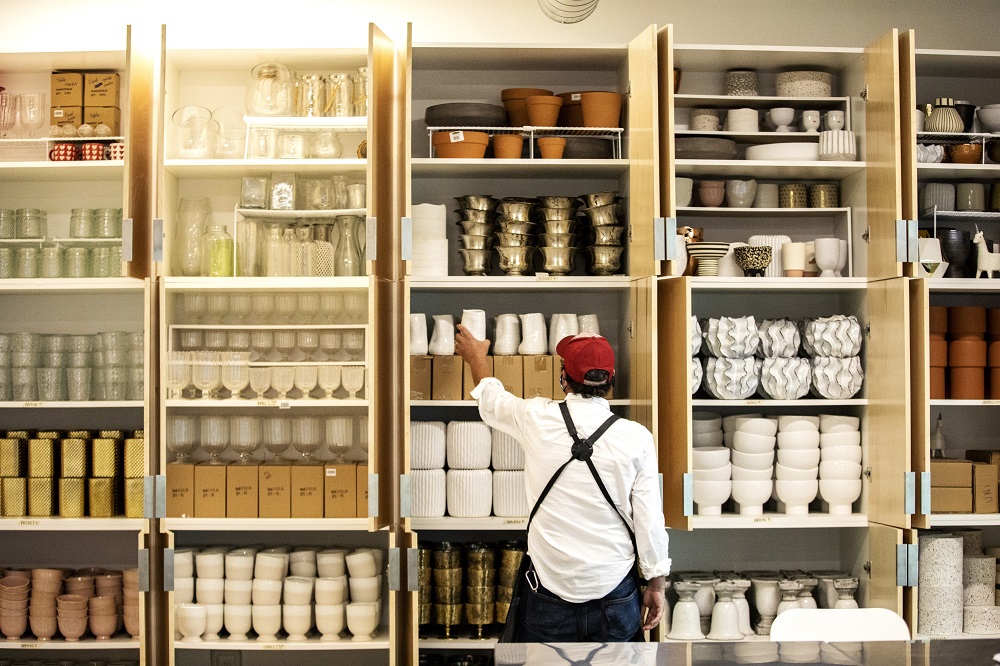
(967, 383)
(711, 193)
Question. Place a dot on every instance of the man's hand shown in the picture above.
(653, 601)
(473, 352)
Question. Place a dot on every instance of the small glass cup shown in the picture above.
(353, 379)
(136, 387)
(192, 339)
(260, 381)
(328, 378)
(115, 383)
(77, 262)
(52, 262)
(305, 380)
(78, 382)
(25, 384)
(8, 261)
(28, 259)
(51, 384)
(100, 262)
(178, 373)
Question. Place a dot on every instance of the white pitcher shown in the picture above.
(589, 324)
(475, 321)
(443, 339)
(508, 335)
(533, 339)
(418, 334)
(562, 325)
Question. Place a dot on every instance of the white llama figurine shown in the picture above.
(986, 261)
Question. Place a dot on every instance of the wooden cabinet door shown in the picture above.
(908, 124)
(665, 65)
(673, 426)
(642, 359)
(882, 154)
(383, 153)
(643, 128)
(920, 394)
(888, 380)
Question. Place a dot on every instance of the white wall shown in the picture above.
(64, 25)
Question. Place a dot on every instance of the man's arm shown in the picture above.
(651, 536)
(473, 352)
(498, 408)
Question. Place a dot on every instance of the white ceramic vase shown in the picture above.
(507, 451)
(838, 336)
(470, 493)
(732, 337)
(533, 338)
(427, 444)
(508, 335)
(475, 322)
(589, 324)
(427, 493)
(470, 445)
(785, 378)
(731, 378)
(697, 374)
(827, 256)
(778, 338)
(509, 498)
(418, 334)
(443, 339)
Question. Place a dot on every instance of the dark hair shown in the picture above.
(588, 391)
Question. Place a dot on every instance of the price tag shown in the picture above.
(457, 137)
(29, 523)
(34, 404)
(575, 97)
(514, 521)
(753, 403)
(29, 646)
(762, 519)
(284, 404)
(267, 403)
(545, 277)
(274, 646)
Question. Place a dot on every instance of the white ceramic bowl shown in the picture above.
(361, 563)
(796, 495)
(330, 563)
(266, 621)
(710, 495)
(753, 460)
(191, 619)
(238, 592)
(703, 440)
(265, 592)
(840, 439)
(210, 564)
(799, 459)
(184, 590)
(269, 566)
(214, 616)
(839, 469)
(298, 591)
(727, 438)
(838, 423)
(184, 563)
(839, 494)
(330, 591)
(710, 457)
(362, 619)
(764, 426)
(237, 620)
(330, 621)
(748, 442)
(798, 440)
(239, 566)
(718, 474)
(751, 496)
(743, 474)
(296, 620)
(792, 152)
(365, 590)
(849, 453)
(729, 422)
(796, 422)
(705, 421)
(209, 590)
(989, 118)
(794, 474)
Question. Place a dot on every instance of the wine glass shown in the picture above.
(284, 344)
(363, 432)
(284, 308)
(260, 381)
(308, 343)
(330, 343)
(239, 341)
(240, 306)
(31, 112)
(216, 340)
(331, 304)
(356, 305)
(192, 339)
(353, 378)
(245, 435)
(206, 373)
(195, 305)
(305, 437)
(261, 342)
(8, 113)
(178, 373)
(354, 344)
(308, 306)
(235, 372)
(217, 307)
(305, 379)
(214, 437)
(262, 306)
(277, 436)
(282, 380)
(339, 436)
(182, 436)
(329, 379)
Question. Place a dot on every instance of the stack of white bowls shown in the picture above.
(430, 240)
(753, 453)
(427, 476)
(840, 469)
(798, 463)
(470, 481)
(509, 497)
(711, 465)
(567, 11)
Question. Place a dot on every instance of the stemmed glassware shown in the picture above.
(239, 341)
(192, 339)
(235, 372)
(260, 381)
(195, 305)
(206, 373)
(330, 343)
(354, 344)
(217, 307)
(245, 435)
(284, 344)
(353, 378)
(284, 308)
(8, 113)
(277, 436)
(178, 373)
(261, 344)
(282, 380)
(214, 437)
(216, 340)
(356, 305)
(308, 307)
(240, 306)
(308, 343)
(262, 306)
(182, 436)
(305, 379)
(31, 112)
(339, 436)
(306, 437)
(331, 305)
(329, 379)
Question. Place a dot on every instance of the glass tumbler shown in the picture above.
(27, 262)
(78, 382)
(136, 387)
(8, 262)
(6, 388)
(182, 436)
(52, 262)
(115, 383)
(100, 262)
(51, 384)
(24, 383)
(77, 262)
(81, 223)
(8, 224)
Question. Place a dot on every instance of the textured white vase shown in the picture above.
(443, 339)
(695, 336)
(508, 335)
(778, 338)
(697, 373)
(509, 498)
(418, 334)
(837, 145)
(589, 324)
(731, 378)
(470, 445)
(732, 337)
(533, 338)
(507, 451)
(836, 378)
(784, 378)
(427, 444)
(427, 493)
(475, 322)
(470, 493)
(838, 336)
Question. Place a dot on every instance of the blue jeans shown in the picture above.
(546, 618)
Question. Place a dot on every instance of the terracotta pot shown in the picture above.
(966, 337)
(711, 193)
(507, 146)
(937, 336)
(967, 319)
(937, 384)
(994, 383)
(938, 319)
(522, 93)
(460, 145)
(571, 113)
(939, 354)
(967, 354)
(993, 354)
(993, 314)
(551, 147)
(967, 383)
(543, 110)
(517, 112)
(601, 109)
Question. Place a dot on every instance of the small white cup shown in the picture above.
(361, 563)
(362, 619)
(298, 591)
(296, 620)
(365, 590)
(266, 621)
(330, 621)
(184, 590)
(237, 620)
(209, 590)
(266, 592)
(238, 592)
(213, 621)
(210, 564)
(239, 566)
(330, 563)
(330, 591)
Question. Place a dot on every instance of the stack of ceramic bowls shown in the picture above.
(798, 463)
(14, 591)
(753, 451)
(840, 466)
(514, 236)
(606, 251)
(557, 215)
(476, 214)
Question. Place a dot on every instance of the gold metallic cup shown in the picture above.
(425, 613)
(447, 557)
(15, 497)
(480, 557)
(72, 498)
(13, 457)
(135, 458)
(48, 434)
(80, 434)
(448, 615)
(135, 492)
(103, 497)
(139, 434)
(501, 611)
(106, 458)
(42, 462)
(481, 577)
(823, 195)
(452, 577)
(41, 497)
(111, 434)
(480, 595)
(504, 594)
(18, 434)
(479, 614)
(448, 595)
(424, 594)
(74, 458)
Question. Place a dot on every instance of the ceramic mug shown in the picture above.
(115, 151)
(92, 151)
(63, 152)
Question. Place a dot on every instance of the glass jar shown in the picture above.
(254, 192)
(944, 117)
(217, 252)
(274, 255)
(116, 261)
(27, 262)
(8, 224)
(326, 145)
(303, 235)
(52, 262)
(7, 263)
(81, 223)
(108, 223)
(30, 223)
(269, 91)
(341, 96)
(283, 191)
(290, 247)
(361, 92)
(192, 218)
(310, 99)
(100, 262)
(77, 262)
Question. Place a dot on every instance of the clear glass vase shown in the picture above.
(347, 259)
(193, 216)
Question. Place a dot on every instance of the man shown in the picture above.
(582, 584)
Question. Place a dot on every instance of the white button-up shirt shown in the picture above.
(579, 547)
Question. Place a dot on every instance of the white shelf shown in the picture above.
(65, 172)
(767, 402)
(700, 211)
(964, 519)
(487, 643)
(63, 139)
(302, 364)
(74, 404)
(57, 524)
(237, 168)
(797, 170)
(229, 403)
(343, 123)
(258, 213)
(965, 403)
(778, 521)
(269, 327)
(472, 403)
(761, 102)
(380, 641)
(75, 285)
(950, 170)
(755, 137)
(488, 523)
(726, 284)
(519, 282)
(960, 215)
(177, 283)
(967, 285)
(957, 637)
(439, 167)
(116, 643)
(266, 524)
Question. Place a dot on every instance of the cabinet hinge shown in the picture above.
(866, 235)
(912, 564)
(864, 93)
(160, 508)
(628, 89)
(902, 565)
(373, 495)
(406, 238)
(142, 561)
(868, 330)
(371, 238)
(925, 493)
(127, 239)
(412, 569)
(394, 571)
(688, 494)
(868, 473)
(909, 493)
(630, 334)
(158, 239)
(405, 496)
(867, 566)
(148, 497)
(168, 569)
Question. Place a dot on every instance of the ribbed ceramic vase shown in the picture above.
(470, 445)
(427, 444)
(470, 493)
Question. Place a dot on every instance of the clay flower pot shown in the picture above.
(571, 113)
(515, 101)
(507, 146)
(938, 319)
(543, 110)
(458, 145)
(967, 383)
(551, 147)
(967, 319)
(938, 384)
(601, 109)
(967, 354)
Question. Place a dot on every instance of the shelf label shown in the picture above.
(457, 137)
(575, 97)
(267, 403)
(753, 403)
(284, 404)
(29, 646)
(991, 402)
(34, 404)
(515, 521)
(274, 646)
(545, 277)
(29, 523)
(762, 519)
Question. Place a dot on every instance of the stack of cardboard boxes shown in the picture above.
(450, 378)
(91, 98)
(965, 486)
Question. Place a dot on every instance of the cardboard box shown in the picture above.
(209, 491)
(101, 89)
(984, 488)
(66, 89)
(274, 487)
(950, 473)
(510, 371)
(991, 457)
(180, 490)
(446, 381)
(110, 116)
(557, 391)
(307, 491)
(420, 377)
(340, 493)
(241, 491)
(537, 376)
(951, 500)
(467, 383)
(362, 481)
(66, 115)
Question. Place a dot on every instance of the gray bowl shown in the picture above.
(466, 114)
(705, 148)
(587, 148)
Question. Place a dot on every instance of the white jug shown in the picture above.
(475, 322)
(418, 334)
(443, 339)
(508, 335)
(533, 340)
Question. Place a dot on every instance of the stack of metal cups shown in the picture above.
(425, 577)
(516, 234)
(476, 214)
(511, 553)
(480, 593)
(558, 215)
(606, 251)
(447, 586)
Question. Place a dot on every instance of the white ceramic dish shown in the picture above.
(784, 152)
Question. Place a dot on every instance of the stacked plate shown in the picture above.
(430, 240)
(476, 213)
(515, 235)
(557, 214)
(708, 255)
(606, 251)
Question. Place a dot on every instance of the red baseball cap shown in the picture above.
(584, 352)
